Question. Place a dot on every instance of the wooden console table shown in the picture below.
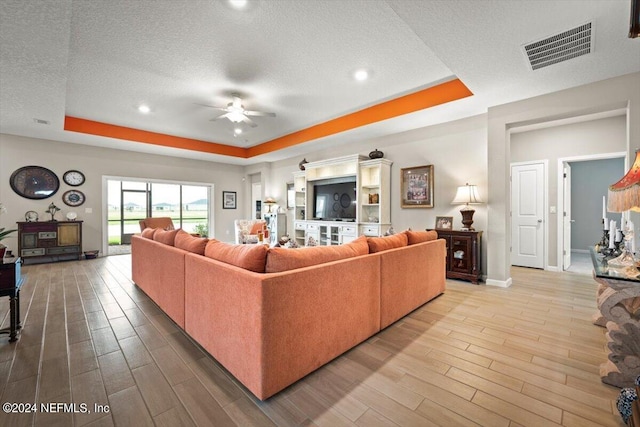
(10, 282)
(464, 254)
(618, 299)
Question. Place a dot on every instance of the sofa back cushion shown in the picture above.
(249, 257)
(165, 236)
(379, 244)
(421, 236)
(284, 259)
(187, 242)
(148, 233)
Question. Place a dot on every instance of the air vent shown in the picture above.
(560, 47)
(41, 121)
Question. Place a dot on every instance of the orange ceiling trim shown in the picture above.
(426, 98)
(91, 127)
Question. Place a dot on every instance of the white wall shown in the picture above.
(95, 163)
(605, 95)
(458, 151)
(607, 135)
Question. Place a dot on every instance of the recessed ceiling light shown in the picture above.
(237, 131)
(238, 4)
(144, 109)
(361, 75)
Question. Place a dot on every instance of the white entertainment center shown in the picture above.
(338, 220)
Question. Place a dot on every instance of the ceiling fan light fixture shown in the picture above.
(235, 116)
(144, 109)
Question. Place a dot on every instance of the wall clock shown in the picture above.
(73, 178)
(34, 182)
(73, 198)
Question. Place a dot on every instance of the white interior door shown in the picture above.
(527, 215)
(566, 218)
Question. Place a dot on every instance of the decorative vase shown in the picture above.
(376, 154)
(302, 163)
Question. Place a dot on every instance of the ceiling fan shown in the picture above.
(235, 112)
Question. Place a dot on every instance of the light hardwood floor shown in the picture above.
(477, 355)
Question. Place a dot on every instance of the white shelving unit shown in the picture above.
(375, 198)
(373, 210)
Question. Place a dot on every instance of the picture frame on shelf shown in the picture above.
(444, 223)
(416, 187)
(229, 199)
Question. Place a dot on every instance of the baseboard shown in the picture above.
(499, 283)
(552, 268)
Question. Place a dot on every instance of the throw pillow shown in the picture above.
(258, 226)
(421, 236)
(165, 236)
(187, 242)
(283, 259)
(249, 257)
(148, 233)
(379, 244)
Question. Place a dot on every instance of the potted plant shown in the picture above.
(3, 233)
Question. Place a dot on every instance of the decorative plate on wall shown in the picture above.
(73, 198)
(34, 182)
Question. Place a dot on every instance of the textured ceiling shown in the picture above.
(99, 60)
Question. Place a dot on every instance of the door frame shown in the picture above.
(545, 208)
(560, 201)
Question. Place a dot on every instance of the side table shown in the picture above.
(464, 254)
(10, 282)
(618, 299)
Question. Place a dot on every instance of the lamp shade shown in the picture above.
(270, 201)
(467, 195)
(625, 194)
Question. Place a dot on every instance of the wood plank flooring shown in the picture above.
(477, 355)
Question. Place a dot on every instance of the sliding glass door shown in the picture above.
(187, 205)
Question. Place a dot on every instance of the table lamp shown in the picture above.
(467, 195)
(270, 201)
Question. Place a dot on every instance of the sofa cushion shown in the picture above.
(187, 242)
(420, 236)
(148, 233)
(165, 236)
(379, 244)
(249, 257)
(284, 259)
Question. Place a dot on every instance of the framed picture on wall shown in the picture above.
(229, 200)
(444, 222)
(416, 187)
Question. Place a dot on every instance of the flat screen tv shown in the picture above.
(335, 199)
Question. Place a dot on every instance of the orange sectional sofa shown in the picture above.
(271, 316)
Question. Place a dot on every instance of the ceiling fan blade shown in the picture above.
(211, 106)
(250, 122)
(259, 113)
(221, 116)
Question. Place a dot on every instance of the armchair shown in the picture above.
(247, 227)
(158, 222)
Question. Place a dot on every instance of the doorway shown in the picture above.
(580, 222)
